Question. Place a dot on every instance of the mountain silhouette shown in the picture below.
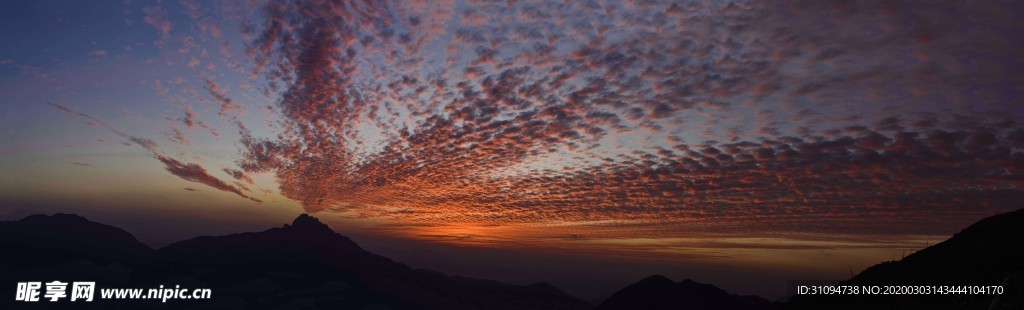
(658, 292)
(60, 235)
(305, 239)
(304, 265)
(989, 252)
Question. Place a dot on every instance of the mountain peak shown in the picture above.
(306, 222)
(656, 279)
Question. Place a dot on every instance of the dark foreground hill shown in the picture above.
(304, 265)
(660, 293)
(989, 252)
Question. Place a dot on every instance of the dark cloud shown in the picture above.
(196, 173)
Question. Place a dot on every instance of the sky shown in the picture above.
(584, 143)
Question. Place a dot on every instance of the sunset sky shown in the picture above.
(585, 143)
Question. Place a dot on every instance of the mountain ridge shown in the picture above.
(307, 261)
(297, 263)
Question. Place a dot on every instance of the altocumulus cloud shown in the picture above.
(850, 117)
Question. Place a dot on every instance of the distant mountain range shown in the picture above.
(306, 265)
(660, 293)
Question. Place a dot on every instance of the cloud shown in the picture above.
(190, 118)
(624, 120)
(157, 17)
(238, 175)
(187, 171)
(228, 108)
(579, 112)
(196, 173)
